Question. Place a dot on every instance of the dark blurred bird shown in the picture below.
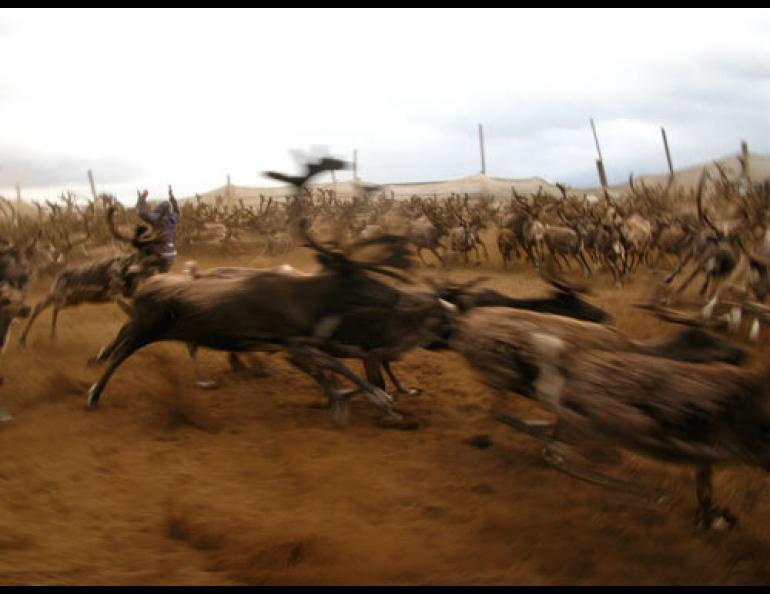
(312, 169)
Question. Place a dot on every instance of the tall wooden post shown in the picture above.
(596, 140)
(355, 164)
(481, 146)
(93, 188)
(602, 174)
(18, 193)
(600, 160)
(668, 154)
(228, 192)
(745, 163)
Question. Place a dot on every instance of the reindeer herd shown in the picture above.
(684, 398)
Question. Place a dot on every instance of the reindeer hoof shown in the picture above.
(93, 399)
(340, 410)
(411, 391)
(207, 384)
(718, 519)
(754, 332)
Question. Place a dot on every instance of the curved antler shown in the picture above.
(702, 216)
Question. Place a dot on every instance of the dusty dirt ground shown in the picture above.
(249, 484)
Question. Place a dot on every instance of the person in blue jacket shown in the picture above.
(163, 218)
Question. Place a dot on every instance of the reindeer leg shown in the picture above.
(54, 317)
(39, 308)
(754, 331)
(708, 515)
(107, 350)
(236, 365)
(688, 280)
(419, 254)
(127, 309)
(584, 263)
(373, 373)
(256, 367)
(705, 286)
(540, 430)
(4, 414)
(399, 388)
(200, 381)
(375, 395)
(681, 264)
(336, 398)
(123, 352)
(556, 452)
(483, 245)
(439, 258)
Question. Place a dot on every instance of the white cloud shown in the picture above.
(186, 97)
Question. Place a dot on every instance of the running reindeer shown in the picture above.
(107, 281)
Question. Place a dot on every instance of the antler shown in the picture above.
(702, 216)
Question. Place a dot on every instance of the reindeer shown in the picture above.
(717, 253)
(108, 280)
(675, 236)
(305, 316)
(636, 234)
(506, 243)
(528, 229)
(11, 307)
(427, 231)
(15, 264)
(693, 414)
(394, 346)
(465, 237)
(497, 342)
(608, 245)
(565, 241)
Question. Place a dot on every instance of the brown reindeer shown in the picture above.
(11, 308)
(305, 316)
(499, 344)
(106, 281)
(426, 232)
(693, 414)
(716, 252)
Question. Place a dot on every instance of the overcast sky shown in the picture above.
(148, 98)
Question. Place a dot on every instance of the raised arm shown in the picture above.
(143, 210)
(172, 200)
